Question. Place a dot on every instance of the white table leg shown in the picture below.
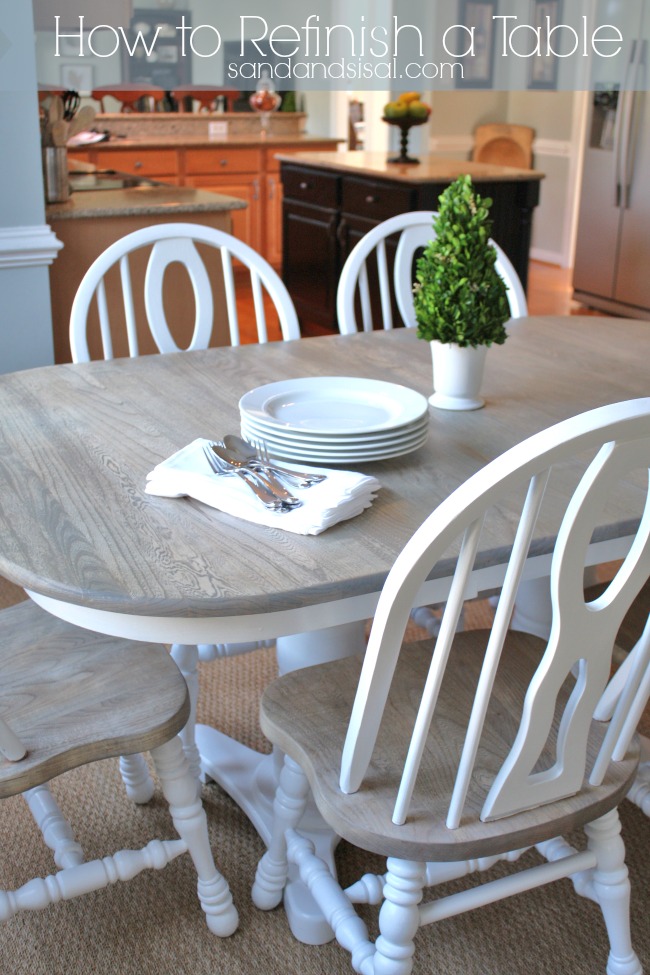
(251, 778)
(186, 657)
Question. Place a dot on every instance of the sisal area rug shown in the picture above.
(154, 926)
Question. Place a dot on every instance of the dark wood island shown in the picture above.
(332, 199)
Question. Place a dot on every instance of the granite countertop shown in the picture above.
(141, 200)
(117, 142)
(430, 168)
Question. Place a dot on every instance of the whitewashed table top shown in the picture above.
(76, 443)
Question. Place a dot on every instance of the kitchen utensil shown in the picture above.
(269, 484)
(82, 120)
(256, 455)
(268, 500)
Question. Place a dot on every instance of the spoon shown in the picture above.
(268, 481)
(245, 452)
(218, 466)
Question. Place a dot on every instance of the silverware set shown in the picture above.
(234, 456)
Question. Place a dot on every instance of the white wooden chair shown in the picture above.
(162, 245)
(452, 756)
(416, 230)
(65, 702)
(170, 244)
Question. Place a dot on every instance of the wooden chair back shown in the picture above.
(128, 96)
(159, 247)
(582, 635)
(396, 283)
(504, 145)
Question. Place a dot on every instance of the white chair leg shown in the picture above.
(288, 806)
(179, 788)
(612, 889)
(56, 830)
(138, 784)
(186, 658)
(399, 917)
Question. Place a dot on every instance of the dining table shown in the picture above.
(88, 544)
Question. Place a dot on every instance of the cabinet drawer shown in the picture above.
(376, 200)
(150, 162)
(308, 186)
(216, 160)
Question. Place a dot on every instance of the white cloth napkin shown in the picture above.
(342, 495)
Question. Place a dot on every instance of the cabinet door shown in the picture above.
(273, 219)
(246, 224)
(310, 260)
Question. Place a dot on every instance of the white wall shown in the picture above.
(26, 243)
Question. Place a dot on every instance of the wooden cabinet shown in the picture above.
(249, 172)
(233, 172)
(326, 211)
(156, 163)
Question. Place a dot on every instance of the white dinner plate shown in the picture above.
(342, 406)
(299, 438)
(320, 450)
(359, 454)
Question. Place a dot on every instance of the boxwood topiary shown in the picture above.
(459, 297)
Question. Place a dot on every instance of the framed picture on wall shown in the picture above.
(543, 67)
(77, 77)
(477, 15)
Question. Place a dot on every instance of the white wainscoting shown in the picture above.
(557, 250)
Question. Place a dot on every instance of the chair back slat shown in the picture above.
(129, 313)
(448, 625)
(384, 286)
(104, 322)
(628, 711)
(364, 297)
(176, 243)
(258, 304)
(582, 635)
(10, 744)
(498, 633)
(231, 295)
(415, 230)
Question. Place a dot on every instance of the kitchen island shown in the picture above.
(332, 199)
(94, 218)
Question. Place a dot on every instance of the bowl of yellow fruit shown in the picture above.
(408, 110)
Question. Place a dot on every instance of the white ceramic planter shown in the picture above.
(457, 376)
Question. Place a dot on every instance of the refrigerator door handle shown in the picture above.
(622, 124)
(626, 155)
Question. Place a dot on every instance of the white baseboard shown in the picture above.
(547, 257)
(28, 246)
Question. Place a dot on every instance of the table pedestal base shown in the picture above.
(250, 779)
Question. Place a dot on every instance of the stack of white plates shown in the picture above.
(333, 419)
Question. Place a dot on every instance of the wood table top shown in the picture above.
(76, 443)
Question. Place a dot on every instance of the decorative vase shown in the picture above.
(457, 376)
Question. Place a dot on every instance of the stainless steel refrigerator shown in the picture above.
(612, 263)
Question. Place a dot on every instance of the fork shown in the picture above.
(303, 478)
(269, 500)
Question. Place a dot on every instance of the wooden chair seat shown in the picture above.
(64, 694)
(69, 697)
(314, 735)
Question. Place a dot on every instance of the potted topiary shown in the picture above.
(459, 298)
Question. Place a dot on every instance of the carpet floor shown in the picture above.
(154, 926)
